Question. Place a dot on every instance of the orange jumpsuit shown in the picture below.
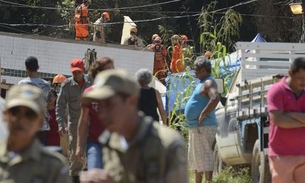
(177, 62)
(159, 61)
(81, 22)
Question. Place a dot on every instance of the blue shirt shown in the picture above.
(196, 104)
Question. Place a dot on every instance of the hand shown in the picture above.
(200, 119)
(95, 176)
(80, 154)
(62, 131)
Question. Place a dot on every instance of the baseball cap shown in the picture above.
(31, 63)
(77, 65)
(26, 95)
(110, 82)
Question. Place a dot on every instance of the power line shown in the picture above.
(137, 21)
(108, 9)
(218, 11)
(109, 23)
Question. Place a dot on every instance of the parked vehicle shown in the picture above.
(242, 137)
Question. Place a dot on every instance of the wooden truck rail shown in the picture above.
(252, 97)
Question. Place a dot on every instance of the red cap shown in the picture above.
(77, 65)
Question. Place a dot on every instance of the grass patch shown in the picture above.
(228, 175)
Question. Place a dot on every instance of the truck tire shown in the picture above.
(218, 163)
(260, 172)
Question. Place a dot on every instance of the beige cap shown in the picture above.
(108, 83)
(26, 95)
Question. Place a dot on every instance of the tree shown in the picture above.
(276, 22)
(29, 13)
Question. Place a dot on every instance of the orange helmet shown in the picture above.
(154, 36)
(208, 54)
(133, 29)
(157, 39)
(184, 37)
(106, 14)
(59, 78)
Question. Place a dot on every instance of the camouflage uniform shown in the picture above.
(156, 154)
(35, 164)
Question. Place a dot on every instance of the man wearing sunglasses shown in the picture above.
(22, 157)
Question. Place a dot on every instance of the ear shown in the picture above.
(290, 72)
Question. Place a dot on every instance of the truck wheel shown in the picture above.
(218, 163)
(260, 166)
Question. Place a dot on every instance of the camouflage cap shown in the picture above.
(26, 95)
(110, 82)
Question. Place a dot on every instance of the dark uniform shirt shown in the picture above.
(34, 165)
(156, 154)
(148, 103)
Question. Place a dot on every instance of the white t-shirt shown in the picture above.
(46, 88)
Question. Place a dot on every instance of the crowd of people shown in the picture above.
(99, 125)
(108, 126)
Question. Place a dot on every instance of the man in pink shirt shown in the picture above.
(286, 106)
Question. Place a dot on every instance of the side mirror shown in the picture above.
(223, 100)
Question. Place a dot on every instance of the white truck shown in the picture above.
(242, 137)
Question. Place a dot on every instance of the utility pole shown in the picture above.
(302, 40)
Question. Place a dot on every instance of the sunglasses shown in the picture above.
(23, 112)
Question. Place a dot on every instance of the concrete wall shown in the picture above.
(54, 56)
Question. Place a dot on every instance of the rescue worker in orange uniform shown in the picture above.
(187, 52)
(82, 21)
(176, 64)
(99, 28)
(160, 66)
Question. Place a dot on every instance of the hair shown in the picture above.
(99, 65)
(203, 62)
(31, 63)
(144, 76)
(297, 64)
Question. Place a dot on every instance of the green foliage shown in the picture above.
(26, 15)
(187, 82)
(217, 36)
(228, 175)
(215, 29)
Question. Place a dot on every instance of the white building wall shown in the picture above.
(54, 56)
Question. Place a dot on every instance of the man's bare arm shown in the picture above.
(284, 120)
(209, 89)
